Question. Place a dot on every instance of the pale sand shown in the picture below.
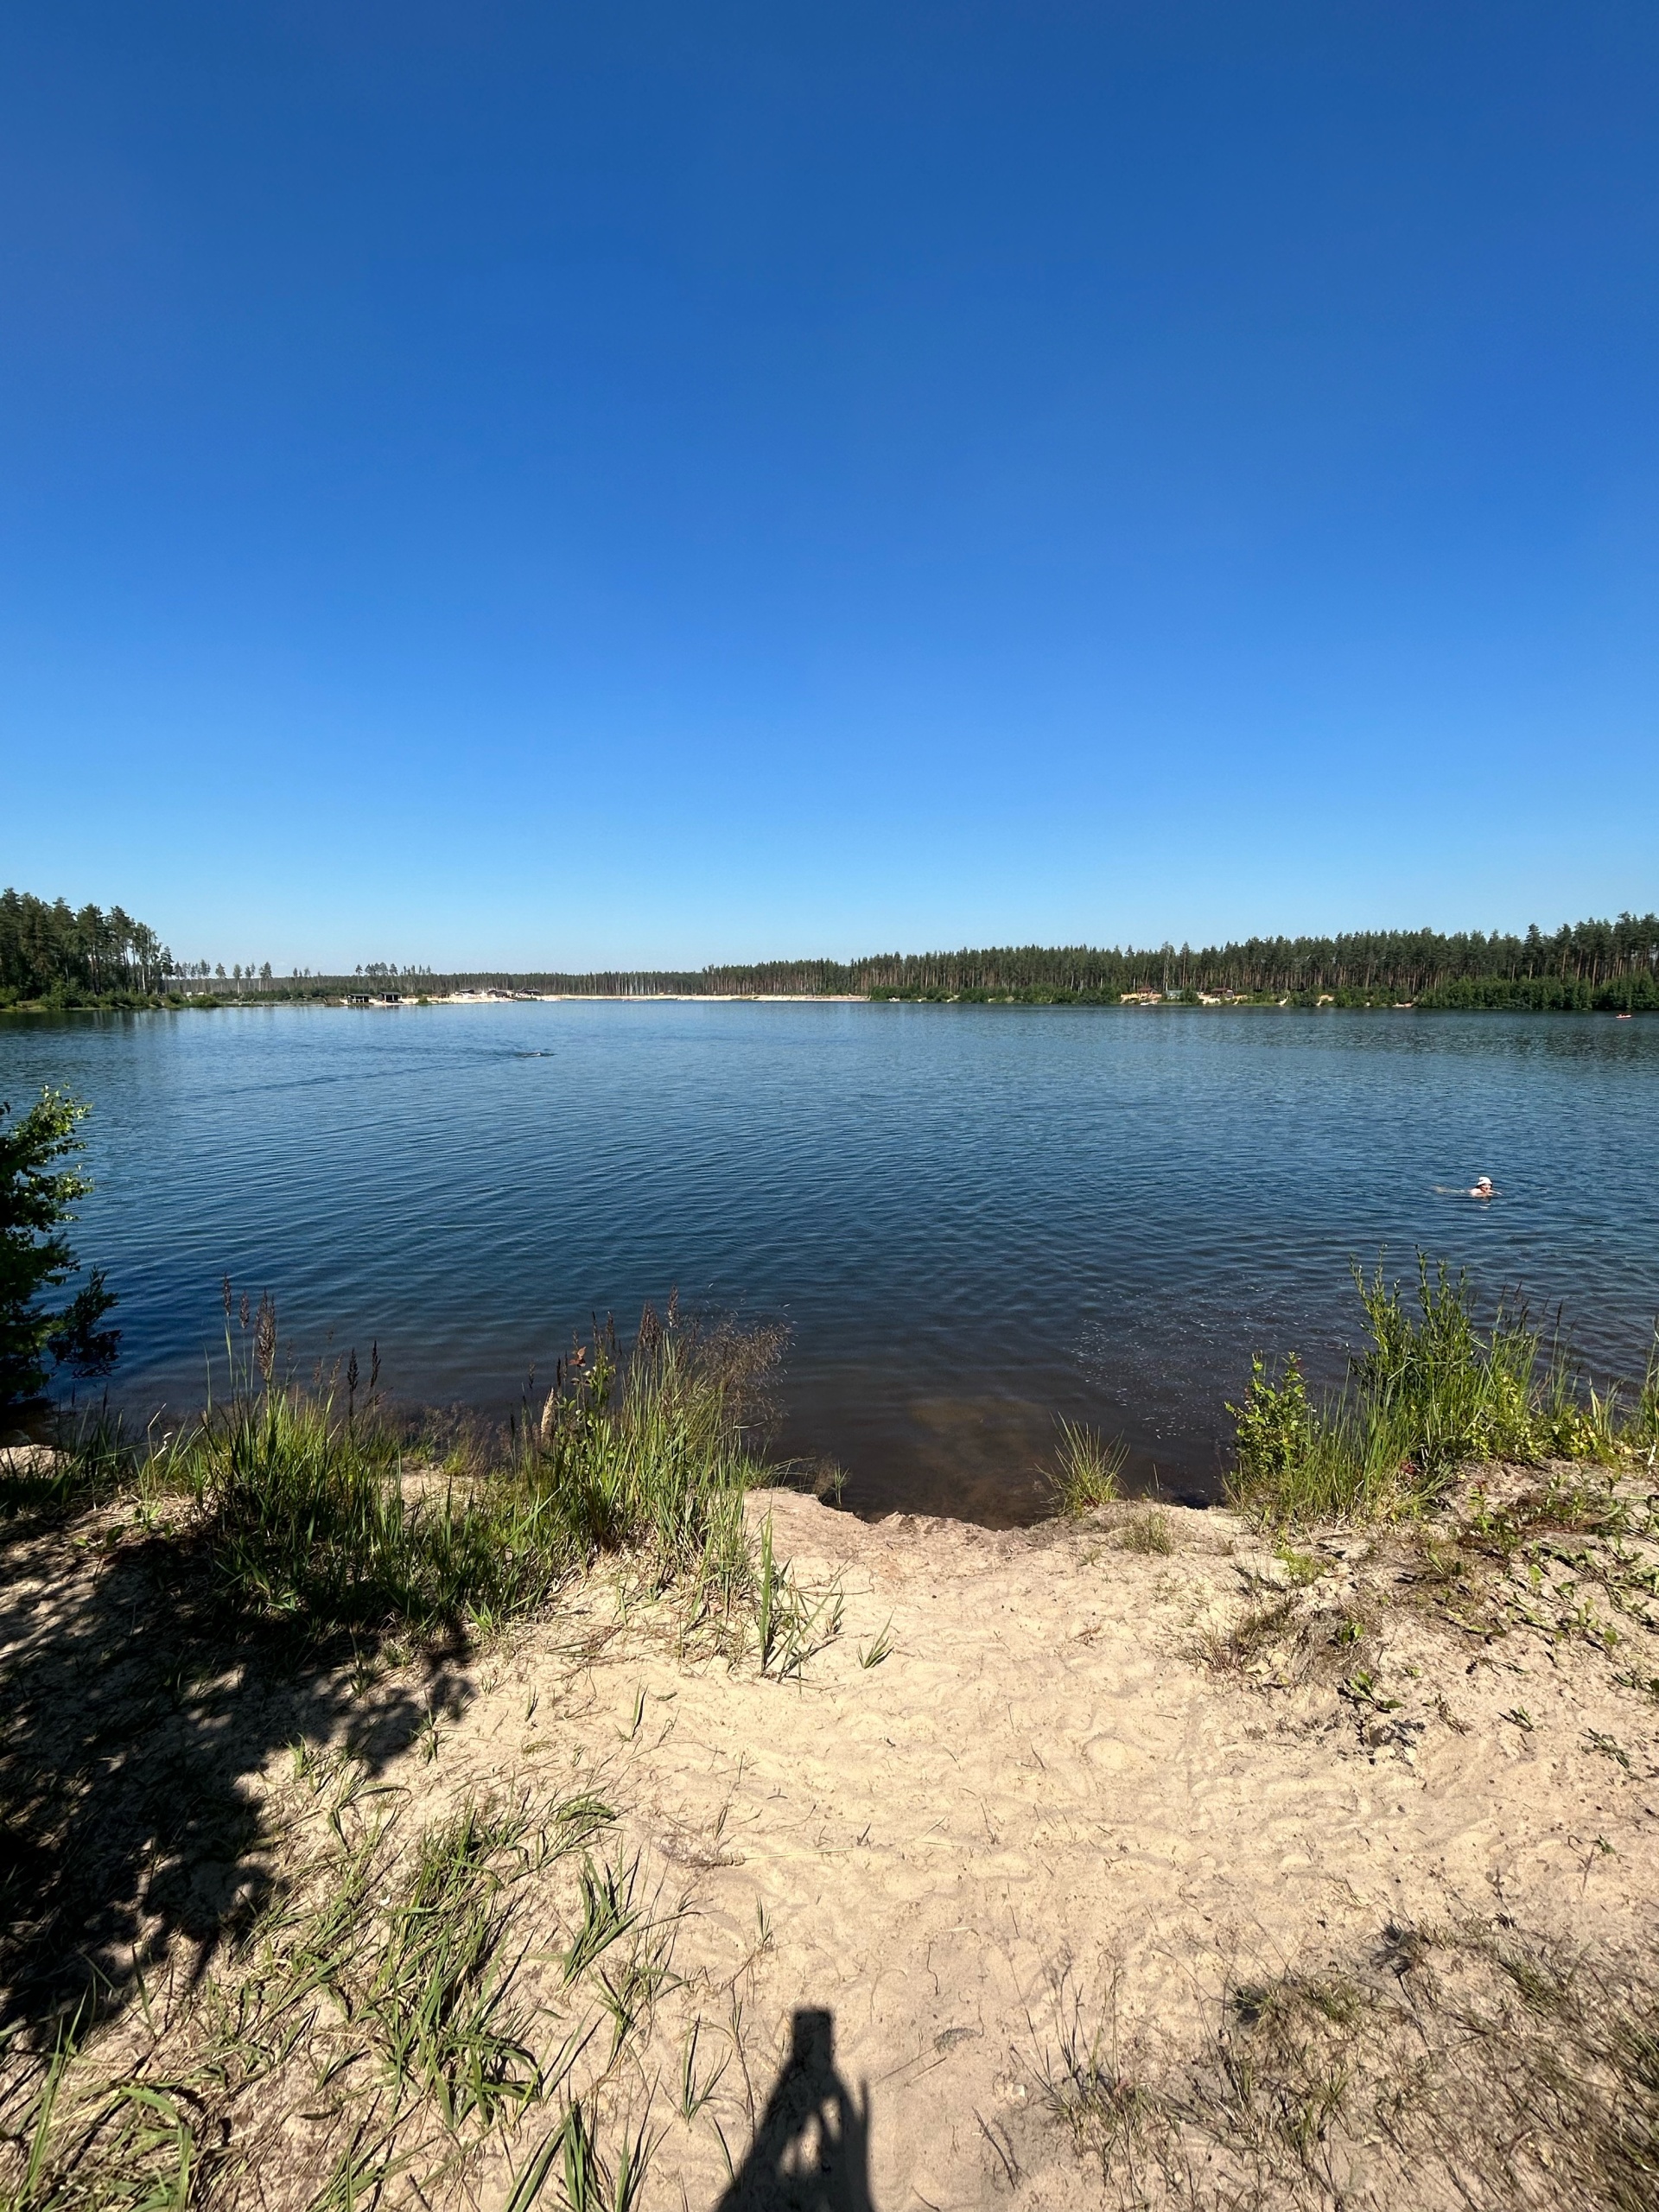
(1047, 1806)
(1043, 1793)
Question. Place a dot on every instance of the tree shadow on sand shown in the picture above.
(135, 1707)
(811, 2148)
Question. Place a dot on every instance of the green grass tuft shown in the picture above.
(307, 1513)
(1087, 1469)
(1150, 1532)
(1434, 1391)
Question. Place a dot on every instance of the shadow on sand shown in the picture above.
(135, 1707)
(811, 2148)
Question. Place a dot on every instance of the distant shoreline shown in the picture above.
(1604, 1007)
(52, 956)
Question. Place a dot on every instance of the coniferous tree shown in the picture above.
(38, 1191)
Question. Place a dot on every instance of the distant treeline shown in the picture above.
(55, 951)
(1582, 965)
(50, 953)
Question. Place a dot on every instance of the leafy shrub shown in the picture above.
(1273, 1424)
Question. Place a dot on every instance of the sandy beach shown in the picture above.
(1121, 1861)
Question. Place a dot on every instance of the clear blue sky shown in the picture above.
(649, 483)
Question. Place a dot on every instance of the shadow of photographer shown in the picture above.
(812, 2147)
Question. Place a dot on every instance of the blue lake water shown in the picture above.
(971, 1218)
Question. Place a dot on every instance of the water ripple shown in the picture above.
(971, 1218)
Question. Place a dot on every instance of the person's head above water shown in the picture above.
(1482, 1184)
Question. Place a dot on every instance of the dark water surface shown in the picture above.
(972, 1218)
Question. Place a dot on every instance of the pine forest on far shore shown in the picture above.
(53, 955)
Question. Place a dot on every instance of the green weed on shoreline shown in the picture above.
(313, 1512)
(1433, 1392)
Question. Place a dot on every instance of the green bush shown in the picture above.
(1274, 1423)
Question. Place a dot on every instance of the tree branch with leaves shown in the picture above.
(40, 1185)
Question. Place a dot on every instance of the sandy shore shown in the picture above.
(1017, 1856)
(648, 998)
(1045, 1810)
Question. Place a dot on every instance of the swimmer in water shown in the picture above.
(1482, 1188)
